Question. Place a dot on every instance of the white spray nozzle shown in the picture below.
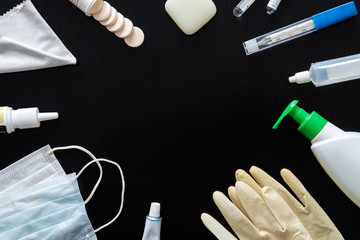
(300, 77)
(47, 116)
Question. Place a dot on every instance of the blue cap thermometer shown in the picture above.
(301, 28)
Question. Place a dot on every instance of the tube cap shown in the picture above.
(334, 15)
(251, 46)
(310, 124)
(154, 210)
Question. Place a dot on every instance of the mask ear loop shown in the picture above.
(122, 190)
(91, 155)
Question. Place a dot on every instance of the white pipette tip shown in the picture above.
(47, 116)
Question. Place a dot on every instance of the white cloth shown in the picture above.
(27, 42)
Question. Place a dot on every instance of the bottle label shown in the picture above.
(274, 4)
(83, 5)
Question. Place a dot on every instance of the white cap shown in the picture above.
(251, 46)
(154, 210)
(300, 77)
(86, 5)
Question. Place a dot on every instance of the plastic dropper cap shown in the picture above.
(154, 210)
(300, 77)
(310, 124)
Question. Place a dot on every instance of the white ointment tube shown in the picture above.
(153, 223)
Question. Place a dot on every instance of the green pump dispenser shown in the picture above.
(310, 124)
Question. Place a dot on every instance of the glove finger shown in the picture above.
(297, 187)
(236, 201)
(241, 225)
(265, 179)
(243, 176)
(256, 208)
(285, 216)
(216, 228)
(317, 222)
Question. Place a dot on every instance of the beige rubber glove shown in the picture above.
(309, 212)
(268, 216)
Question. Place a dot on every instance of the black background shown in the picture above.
(181, 113)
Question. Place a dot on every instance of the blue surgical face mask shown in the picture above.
(52, 205)
(50, 210)
(30, 170)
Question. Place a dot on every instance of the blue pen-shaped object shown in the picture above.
(301, 28)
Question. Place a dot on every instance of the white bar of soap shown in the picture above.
(190, 15)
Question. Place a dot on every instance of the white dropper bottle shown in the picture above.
(22, 118)
(330, 71)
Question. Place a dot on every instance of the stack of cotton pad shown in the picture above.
(115, 22)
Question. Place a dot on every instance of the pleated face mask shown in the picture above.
(27, 42)
(52, 209)
(30, 170)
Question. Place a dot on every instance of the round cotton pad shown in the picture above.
(96, 7)
(112, 19)
(104, 13)
(118, 25)
(126, 30)
(136, 38)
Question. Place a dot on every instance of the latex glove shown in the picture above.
(309, 212)
(268, 216)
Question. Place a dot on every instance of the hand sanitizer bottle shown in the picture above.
(337, 151)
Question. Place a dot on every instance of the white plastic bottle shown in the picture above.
(337, 151)
(330, 71)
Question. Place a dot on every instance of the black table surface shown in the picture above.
(182, 113)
